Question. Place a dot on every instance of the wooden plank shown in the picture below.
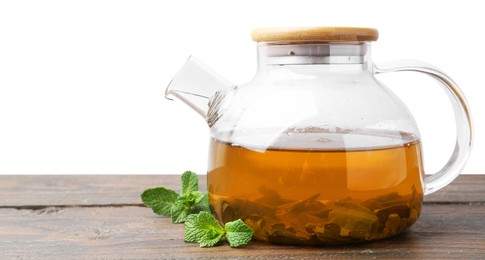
(48, 190)
(465, 188)
(132, 232)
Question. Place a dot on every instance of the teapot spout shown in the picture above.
(196, 84)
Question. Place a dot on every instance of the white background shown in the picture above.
(82, 82)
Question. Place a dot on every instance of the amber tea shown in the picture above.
(317, 196)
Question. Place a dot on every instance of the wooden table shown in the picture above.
(101, 217)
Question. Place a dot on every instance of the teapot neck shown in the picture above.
(354, 54)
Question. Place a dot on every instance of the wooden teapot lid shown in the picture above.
(314, 34)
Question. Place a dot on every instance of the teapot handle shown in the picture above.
(463, 120)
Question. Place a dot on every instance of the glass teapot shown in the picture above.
(314, 149)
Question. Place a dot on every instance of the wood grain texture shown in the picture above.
(443, 231)
(48, 190)
(101, 217)
(55, 190)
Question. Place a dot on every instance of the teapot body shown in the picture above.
(315, 153)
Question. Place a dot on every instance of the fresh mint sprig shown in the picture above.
(204, 229)
(168, 203)
(192, 207)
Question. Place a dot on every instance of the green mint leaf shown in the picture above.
(202, 204)
(189, 230)
(180, 210)
(199, 196)
(192, 197)
(160, 200)
(238, 233)
(203, 229)
(193, 203)
(190, 183)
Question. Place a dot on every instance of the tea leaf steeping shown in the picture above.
(317, 196)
